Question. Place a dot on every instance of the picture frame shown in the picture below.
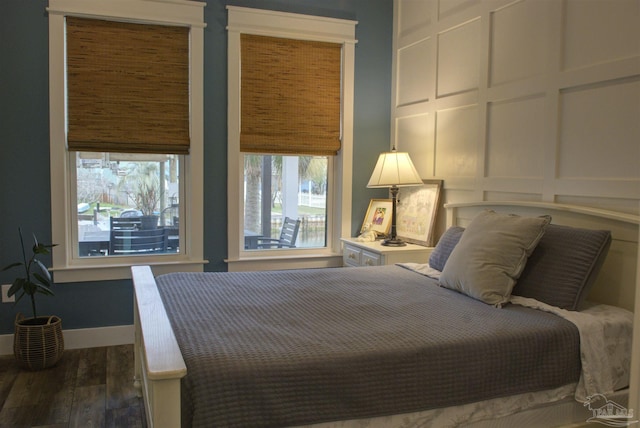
(378, 216)
(416, 211)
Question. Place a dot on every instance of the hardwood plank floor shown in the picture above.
(88, 388)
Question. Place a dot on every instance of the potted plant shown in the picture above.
(38, 342)
(147, 197)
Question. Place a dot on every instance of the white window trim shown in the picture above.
(305, 27)
(67, 266)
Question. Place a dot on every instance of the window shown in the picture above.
(124, 167)
(127, 204)
(290, 118)
(280, 187)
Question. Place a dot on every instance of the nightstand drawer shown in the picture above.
(351, 255)
(359, 253)
(370, 259)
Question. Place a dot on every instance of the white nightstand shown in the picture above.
(356, 253)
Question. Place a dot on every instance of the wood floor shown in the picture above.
(88, 388)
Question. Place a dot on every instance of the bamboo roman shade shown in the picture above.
(290, 102)
(127, 87)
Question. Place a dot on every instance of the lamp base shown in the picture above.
(393, 242)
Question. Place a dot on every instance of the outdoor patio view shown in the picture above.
(128, 204)
(281, 187)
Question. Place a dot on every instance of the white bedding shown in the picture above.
(605, 348)
(605, 345)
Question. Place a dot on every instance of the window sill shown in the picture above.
(282, 262)
(122, 270)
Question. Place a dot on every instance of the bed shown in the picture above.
(350, 349)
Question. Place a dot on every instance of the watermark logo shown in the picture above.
(609, 412)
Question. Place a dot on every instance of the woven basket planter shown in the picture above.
(38, 342)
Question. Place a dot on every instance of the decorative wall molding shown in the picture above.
(521, 99)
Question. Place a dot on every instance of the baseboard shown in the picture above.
(83, 338)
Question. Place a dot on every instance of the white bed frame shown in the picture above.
(159, 365)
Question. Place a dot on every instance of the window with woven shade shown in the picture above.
(127, 87)
(290, 138)
(290, 96)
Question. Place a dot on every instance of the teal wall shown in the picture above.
(25, 197)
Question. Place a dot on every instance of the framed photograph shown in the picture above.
(416, 210)
(378, 216)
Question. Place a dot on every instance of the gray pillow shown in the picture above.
(491, 255)
(564, 266)
(447, 242)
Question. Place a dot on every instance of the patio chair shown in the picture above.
(125, 223)
(288, 236)
(132, 241)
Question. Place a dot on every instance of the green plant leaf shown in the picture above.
(44, 270)
(40, 249)
(44, 290)
(20, 296)
(30, 287)
(17, 285)
(43, 280)
(12, 265)
(37, 281)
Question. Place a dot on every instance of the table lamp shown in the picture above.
(394, 169)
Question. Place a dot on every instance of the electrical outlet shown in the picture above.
(5, 290)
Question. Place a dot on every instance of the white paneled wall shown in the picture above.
(527, 99)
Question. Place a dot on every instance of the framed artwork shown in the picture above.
(416, 211)
(378, 216)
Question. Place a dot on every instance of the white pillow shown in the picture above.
(491, 255)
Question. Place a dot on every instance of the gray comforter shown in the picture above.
(267, 349)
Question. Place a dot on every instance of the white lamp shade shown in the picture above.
(394, 169)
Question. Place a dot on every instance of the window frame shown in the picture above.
(75, 235)
(339, 186)
(299, 249)
(67, 265)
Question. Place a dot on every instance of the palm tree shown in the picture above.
(252, 205)
(254, 168)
